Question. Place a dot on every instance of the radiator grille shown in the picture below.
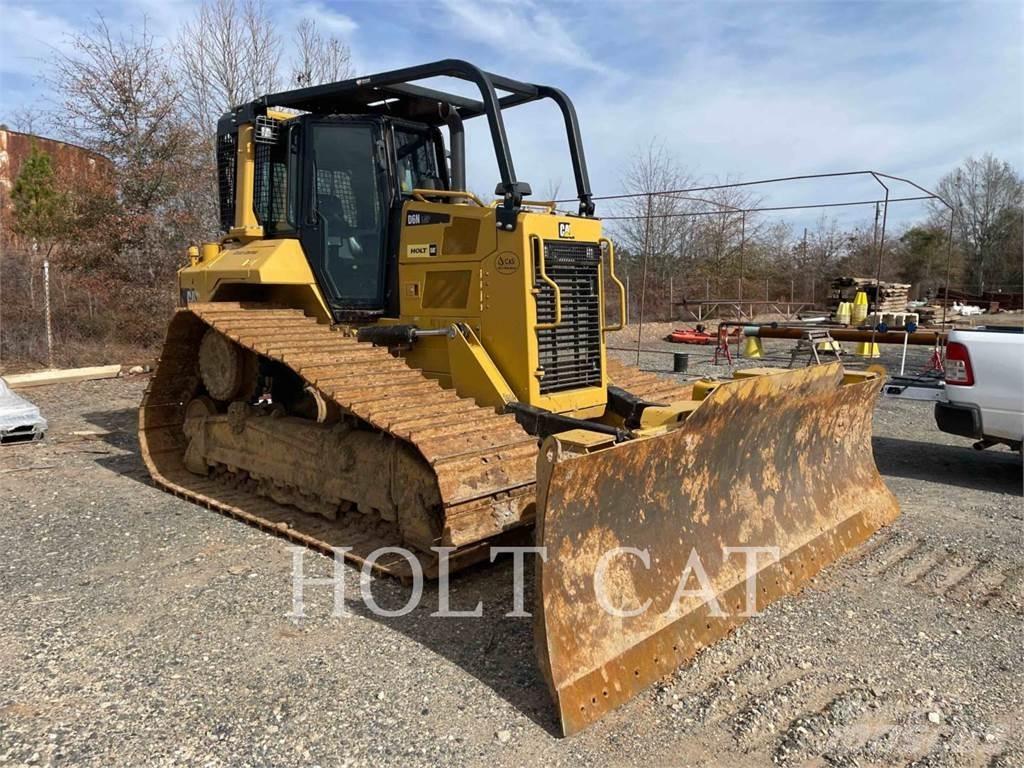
(570, 355)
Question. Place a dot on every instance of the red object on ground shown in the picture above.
(698, 335)
(689, 336)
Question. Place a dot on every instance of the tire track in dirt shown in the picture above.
(939, 571)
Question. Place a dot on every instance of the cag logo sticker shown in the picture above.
(565, 229)
(507, 263)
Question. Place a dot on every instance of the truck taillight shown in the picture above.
(958, 365)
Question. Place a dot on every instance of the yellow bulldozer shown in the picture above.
(372, 356)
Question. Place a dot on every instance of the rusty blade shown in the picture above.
(774, 461)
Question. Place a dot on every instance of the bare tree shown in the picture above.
(723, 234)
(987, 195)
(133, 212)
(653, 226)
(228, 53)
(774, 248)
(552, 189)
(825, 247)
(121, 100)
(319, 59)
(28, 119)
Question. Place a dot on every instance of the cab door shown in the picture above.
(344, 233)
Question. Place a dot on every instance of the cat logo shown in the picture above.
(565, 230)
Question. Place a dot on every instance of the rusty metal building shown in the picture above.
(71, 164)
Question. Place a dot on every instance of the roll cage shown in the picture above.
(394, 94)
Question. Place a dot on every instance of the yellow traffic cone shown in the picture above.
(859, 311)
(830, 346)
(752, 347)
(867, 349)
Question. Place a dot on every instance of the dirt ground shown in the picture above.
(139, 629)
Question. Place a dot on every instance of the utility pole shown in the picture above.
(643, 279)
(46, 301)
(805, 263)
(1, 309)
(743, 245)
(49, 317)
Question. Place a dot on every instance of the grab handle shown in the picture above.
(422, 194)
(622, 289)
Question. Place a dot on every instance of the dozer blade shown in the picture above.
(780, 461)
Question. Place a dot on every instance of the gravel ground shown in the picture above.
(141, 629)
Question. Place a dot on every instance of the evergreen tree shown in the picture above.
(40, 208)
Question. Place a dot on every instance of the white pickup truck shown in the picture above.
(984, 392)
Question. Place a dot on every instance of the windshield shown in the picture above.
(348, 206)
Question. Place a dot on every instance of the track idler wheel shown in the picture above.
(228, 371)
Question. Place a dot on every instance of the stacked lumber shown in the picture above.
(929, 314)
(892, 297)
(62, 376)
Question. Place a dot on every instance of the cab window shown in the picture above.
(416, 157)
(274, 188)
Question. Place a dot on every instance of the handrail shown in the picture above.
(537, 247)
(622, 289)
(422, 194)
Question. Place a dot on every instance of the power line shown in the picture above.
(876, 175)
(762, 209)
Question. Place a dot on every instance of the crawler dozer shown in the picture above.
(372, 356)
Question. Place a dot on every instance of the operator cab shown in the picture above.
(334, 182)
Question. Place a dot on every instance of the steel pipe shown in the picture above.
(921, 338)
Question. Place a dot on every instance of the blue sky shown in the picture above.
(737, 90)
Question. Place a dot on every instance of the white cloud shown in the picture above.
(750, 90)
(329, 20)
(758, 93)
(162, 18)
(522, 29)
(29, 34)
